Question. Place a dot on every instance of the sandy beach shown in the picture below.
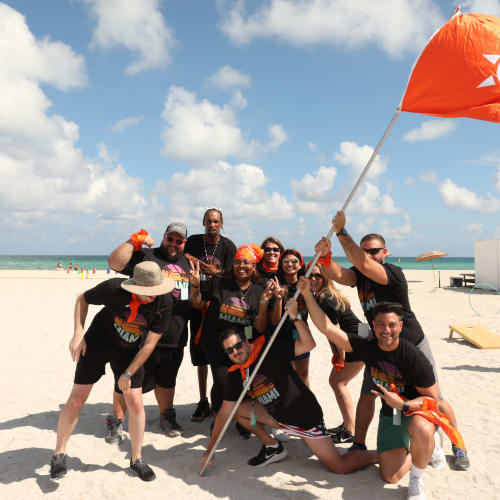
(37, 374)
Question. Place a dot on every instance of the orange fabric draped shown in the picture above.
(134, 307)
(203, 310)
(249, 251)
(458, 72)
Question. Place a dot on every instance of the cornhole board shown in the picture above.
(478, 335)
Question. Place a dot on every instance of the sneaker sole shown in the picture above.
(58, 476)
(114, 441)
(275, 458)
(148, 479)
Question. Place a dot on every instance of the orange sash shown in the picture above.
(134, 307)
(255, 348)
(203, 310)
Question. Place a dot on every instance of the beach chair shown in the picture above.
(477, 335)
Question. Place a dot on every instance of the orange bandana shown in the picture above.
(255, 348)
(138, 238)
(267, 268)
(249, 251)
(134, 307)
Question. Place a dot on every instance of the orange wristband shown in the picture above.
(326, 259)
(138, 238)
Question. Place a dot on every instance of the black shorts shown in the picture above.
(91, 367)
(164, 365)
(198, 357)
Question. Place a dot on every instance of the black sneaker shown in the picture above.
(203, 411)
(244, 433)
(344, 436)
(336, 430)
(58, 467)
(268, 455)
(143, 470)
(169, 424)
(114, 431)
(460, 459)
(357, 447)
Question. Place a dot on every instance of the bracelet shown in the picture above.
(138, 238)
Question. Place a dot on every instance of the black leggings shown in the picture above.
(219, 376)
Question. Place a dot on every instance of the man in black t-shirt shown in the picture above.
(403, 376)
(278, 398)
(163, 365)
(134, 310)
(214, 253)
(376, 281)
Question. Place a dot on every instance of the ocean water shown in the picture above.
(43, 262)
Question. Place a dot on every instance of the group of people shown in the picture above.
(232, 299)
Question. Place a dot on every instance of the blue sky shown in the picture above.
(122, 114)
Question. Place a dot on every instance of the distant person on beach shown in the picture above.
(377, 280)
(402, 377)
(70, 265)
(214, 253)
(133, 309)
(278, 398)
(76, 267)
(59, 266)
(163, 365)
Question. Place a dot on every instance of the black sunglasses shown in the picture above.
(315, 275)
(372, 251)
(172, 240)
(271, 249)
(237, 346)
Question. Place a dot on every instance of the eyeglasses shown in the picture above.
(271, 249)
(237, 347)
(315, 276)
(291, 262)
(175, 240)
(242, 263)
(372, 251)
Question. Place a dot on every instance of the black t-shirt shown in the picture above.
(396, 290)
(229, 306)
(110, 325)
(278, 387)
(220, 255)
(346, 319)
(178, 270)
(405, 367)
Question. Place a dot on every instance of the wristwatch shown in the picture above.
(127, 375)
(342, 232)
(406, 407)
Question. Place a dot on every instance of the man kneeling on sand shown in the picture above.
(133, 308)
(279, 399)
(403, 442)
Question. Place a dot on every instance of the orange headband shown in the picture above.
(249, 251)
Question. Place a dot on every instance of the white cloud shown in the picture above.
(26, 58)
(455, 196)
(314, 191)
(357, 157)
(238, 101)
(430, 177)
(124, 123)
(369, 200)
(139, 26)
(430, 130)
(396, 26)
(491, 7)
(391, 231)
(473, 227)
(189, 193)
(228, 77)
(201, 132)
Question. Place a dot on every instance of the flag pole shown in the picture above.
(296, 294)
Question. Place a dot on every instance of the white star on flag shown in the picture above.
(490, 81)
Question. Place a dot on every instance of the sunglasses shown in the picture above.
(236, 347)
(316, 276)
(372, 251)
(271, 249)
(175, 240)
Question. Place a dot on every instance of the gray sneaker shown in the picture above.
(114, 431)
(169, 424)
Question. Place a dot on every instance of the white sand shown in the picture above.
(37, 375)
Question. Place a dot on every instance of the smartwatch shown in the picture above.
(127, 375)
(342, 232)
(406, 407)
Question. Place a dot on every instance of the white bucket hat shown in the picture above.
(148, 280)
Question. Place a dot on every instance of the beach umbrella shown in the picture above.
(433, 254)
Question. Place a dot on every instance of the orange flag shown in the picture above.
(458, 72)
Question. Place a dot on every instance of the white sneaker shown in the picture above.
(416, 488)
(279, 434)
(438, 458)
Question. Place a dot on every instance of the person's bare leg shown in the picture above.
(68, 417)
(365, 410)
(301, 366)
(119, 405)
(202, 380)
(421, 433)
(330, 457)
(338, 382)
(243, 418)
(164, 397)
(137, 421)
(394, 464)
(447, 409)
